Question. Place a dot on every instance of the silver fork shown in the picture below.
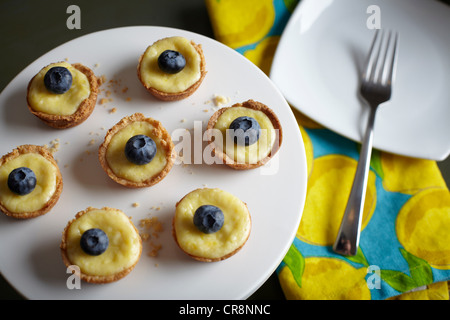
(376, 87)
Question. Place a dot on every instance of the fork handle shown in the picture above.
(347, 240)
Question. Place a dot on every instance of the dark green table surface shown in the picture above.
(30, 28)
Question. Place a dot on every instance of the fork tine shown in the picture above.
(376, 65)
(369, 59)
(380, 69)
(383, 70)
(392, 68)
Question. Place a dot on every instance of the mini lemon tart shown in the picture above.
(137, 152)
(63, 95)
(103, 243)
(211, 224)
(172, 68)
(30, 182)
(246, 135)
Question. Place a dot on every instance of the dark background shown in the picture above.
(31, 28)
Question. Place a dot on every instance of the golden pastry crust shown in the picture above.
(159, 131)
(84, 110)
(251, 104)
(203, 259)
(165, 96)
(44, 152)
(94, 278)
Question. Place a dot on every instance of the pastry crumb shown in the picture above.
(111, 86)
(53, 147)
(151, 223)
(102, 80)
(113, 110)
(135, 204)
(220, 100)
(152, 228)
(154, 251)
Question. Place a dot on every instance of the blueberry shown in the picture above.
(94, 241)
(208, 218)
(171, 61)
(140, 149)
(245, 130)
(58, 80)
(22, 181)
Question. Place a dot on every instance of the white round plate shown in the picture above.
(323, 50)
(30, 254)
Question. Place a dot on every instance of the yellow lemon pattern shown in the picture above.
(423, 226)
(405, 238)
(263, 53)
(326, 278)
(328, 190)
(408, 175)
(238, 23)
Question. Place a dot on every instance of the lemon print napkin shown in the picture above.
(404, 250)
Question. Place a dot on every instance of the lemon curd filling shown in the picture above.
(40, 99)
(124, 242)
(46, 175)
(230, 237)
(120, 165)
(254, 152)
(153, 77)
